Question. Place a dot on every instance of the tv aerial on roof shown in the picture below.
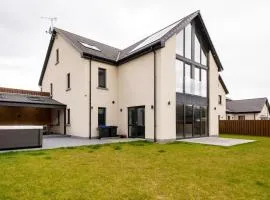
(52, 20)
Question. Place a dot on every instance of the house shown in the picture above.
(222, 92)
(162, 88)
(248, 109)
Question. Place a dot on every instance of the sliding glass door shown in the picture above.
(191, 121)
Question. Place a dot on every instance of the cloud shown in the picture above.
(240, 34)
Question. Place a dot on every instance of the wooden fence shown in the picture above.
(245, 127)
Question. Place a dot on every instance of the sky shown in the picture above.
(239, 30)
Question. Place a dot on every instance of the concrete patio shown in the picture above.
(217, 141)
(60, 141)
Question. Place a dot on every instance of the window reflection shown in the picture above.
(180, 43)
(203, 83)
(188, 41)
(179, 76)
(197, 50)
(188, 79)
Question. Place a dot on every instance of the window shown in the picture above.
(51, 89)
(191, 51)
(197, 50)
(101, 78)
(188, 41)
(68, 116)
(242, 117)
(203, 83)
(179, 76)
(180, 43)
(219, 99)
(101, 116)
(68, 81)
(57, 56)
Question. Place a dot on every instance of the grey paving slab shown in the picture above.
(217, 141)
(53, 142)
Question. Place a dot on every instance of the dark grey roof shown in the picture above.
(246, 105)
(106, 51)
(223, 84)
(116, 56)
(20, 99)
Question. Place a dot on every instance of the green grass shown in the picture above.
(139, 170)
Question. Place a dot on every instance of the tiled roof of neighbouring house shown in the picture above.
(246, 105)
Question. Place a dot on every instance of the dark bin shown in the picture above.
(107, 131)
(113, 131)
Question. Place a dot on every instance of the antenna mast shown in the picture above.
(52, 20)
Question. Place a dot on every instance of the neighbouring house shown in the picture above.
(248, 109)
(162, 88)
(222, 92)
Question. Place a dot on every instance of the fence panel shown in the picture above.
(245, 127)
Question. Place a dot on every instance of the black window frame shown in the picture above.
(104, 116)
(51, 89)
(56, 56)
(68, 81)
(241, 117)
(68, 116)
(101, 83)
(219, 99)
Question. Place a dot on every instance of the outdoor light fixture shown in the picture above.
(152, 107)
(113, 102)
(121, 110)
(169, 102)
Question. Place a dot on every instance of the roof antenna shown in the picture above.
(51, 19)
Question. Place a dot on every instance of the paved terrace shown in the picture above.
(217, 141)
(59, 141)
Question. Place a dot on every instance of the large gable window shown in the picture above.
(190, 52)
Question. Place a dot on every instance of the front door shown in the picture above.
(136, 122)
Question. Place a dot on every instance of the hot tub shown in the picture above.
(17, 137)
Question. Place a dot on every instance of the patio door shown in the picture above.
(136, 122)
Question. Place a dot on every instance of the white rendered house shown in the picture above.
(162, 88)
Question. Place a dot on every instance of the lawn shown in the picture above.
(139, 170)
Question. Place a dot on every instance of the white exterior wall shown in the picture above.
(221, 108)
(213, 97)
(263, 113)
(166, 91)
(77, 99)
(104, 97)
(136, 88)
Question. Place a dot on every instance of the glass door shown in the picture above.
(136, 122)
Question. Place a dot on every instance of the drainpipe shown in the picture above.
(155, 93)
(90, 98)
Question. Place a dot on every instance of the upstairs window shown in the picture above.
(101, 78)
(219, 99)
(101, 116)
(68, 81)
(57, 56)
